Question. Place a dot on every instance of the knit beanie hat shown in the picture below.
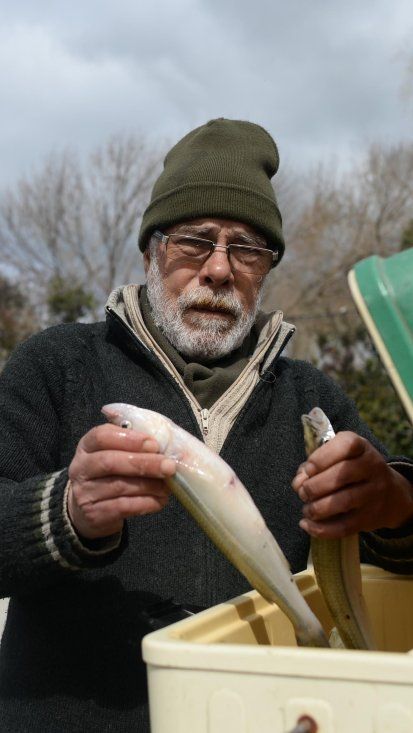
(222, 169)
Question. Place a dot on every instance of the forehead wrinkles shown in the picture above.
(213, 230)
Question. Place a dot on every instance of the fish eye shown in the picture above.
(126, 424)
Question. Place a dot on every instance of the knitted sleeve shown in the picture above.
(37, 542)
(387, 548)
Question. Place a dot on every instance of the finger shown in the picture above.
(335, 478)
(111, 487)
(112, 437)
(112, 512)
(120, 463)
(336, 528)
(343, 446)
(299, 478)
(342, 502)
(106, 518)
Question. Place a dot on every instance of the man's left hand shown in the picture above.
(347, 487)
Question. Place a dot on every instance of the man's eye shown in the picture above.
(189, 241)
(193, 246)
(247, 253)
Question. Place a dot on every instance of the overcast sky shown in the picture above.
(324, 77)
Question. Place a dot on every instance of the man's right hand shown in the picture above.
(115, 473)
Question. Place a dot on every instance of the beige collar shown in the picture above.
(216, 422)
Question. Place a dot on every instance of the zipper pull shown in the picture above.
(205, 421)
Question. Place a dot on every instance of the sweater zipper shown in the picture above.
(205, 421)
(204, 414)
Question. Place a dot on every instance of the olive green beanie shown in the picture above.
(223, 170)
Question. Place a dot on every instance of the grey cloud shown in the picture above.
(322, 77)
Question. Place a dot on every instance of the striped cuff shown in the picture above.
(391, 549)
(58, 536)
(46, 521)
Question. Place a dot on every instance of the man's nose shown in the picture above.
(216, 270)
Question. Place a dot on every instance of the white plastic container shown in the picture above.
(235, 668)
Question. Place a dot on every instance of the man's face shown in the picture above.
(204, 310)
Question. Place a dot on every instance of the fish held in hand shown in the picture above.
(212, 493)
(337, 561)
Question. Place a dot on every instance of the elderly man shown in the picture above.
(91, 539)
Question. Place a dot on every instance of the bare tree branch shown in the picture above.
(340, 222)
(77, 222)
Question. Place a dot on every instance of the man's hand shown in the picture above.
(347, 487)
(115, 473)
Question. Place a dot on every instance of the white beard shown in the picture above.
(207, 337)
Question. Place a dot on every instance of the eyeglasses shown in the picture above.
(242, 257)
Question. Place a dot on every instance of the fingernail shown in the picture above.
(150, 445)
(168, 467)
(302, 493)
(307, 511)
(304, 524)
(299, 477)
(310, 469)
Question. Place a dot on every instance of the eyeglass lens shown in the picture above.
(243, 258)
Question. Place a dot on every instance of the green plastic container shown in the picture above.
(382, 289)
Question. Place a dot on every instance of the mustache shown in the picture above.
(202, 299)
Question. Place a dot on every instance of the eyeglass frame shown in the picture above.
(165, 237)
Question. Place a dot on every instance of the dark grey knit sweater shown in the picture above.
(70, 655)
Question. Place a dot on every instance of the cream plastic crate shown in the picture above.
(235, 668)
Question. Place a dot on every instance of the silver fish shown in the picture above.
(337, 561)
(211, 492)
